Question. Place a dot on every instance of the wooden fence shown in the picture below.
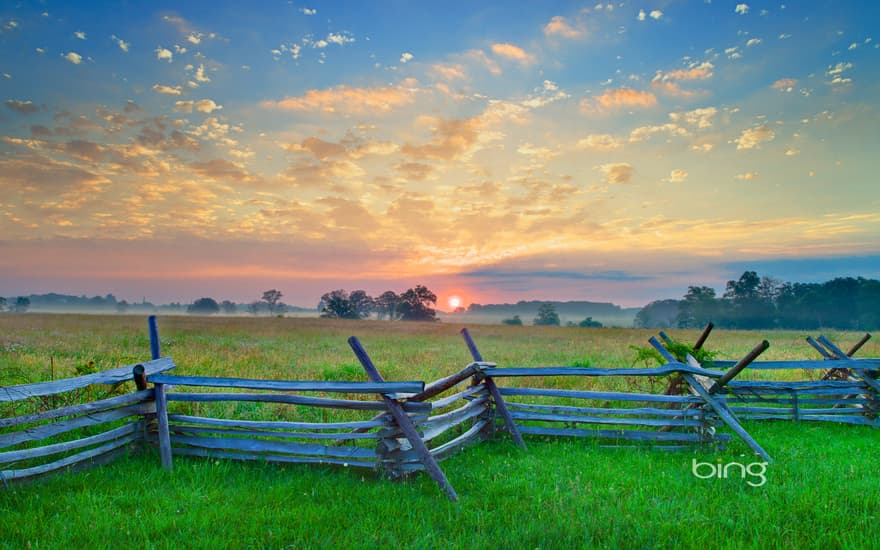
(846, 391)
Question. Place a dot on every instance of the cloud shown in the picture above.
(452, 138)
(346, 99)
(741, 9)
(620, 97)
(645, 132)
(785, 84)
(696, 71)
(747, 176)
(600, 142)
(79, 34)
(123, 45)
(194, 38)
(702, 147)
(753, 42)
(656, 14)
(22, 107)
(836, 72)
(406, 57)
(164, 54)
(512, 52)
(676, 176)
(414, 171)
(448, 72)
(221, 169)
(792, 152)
(73, 57)
(751, 138)
(200, 74)
(308, 11)
(700, 118)
(340, 39)
(559, 26)
(479, 56)
(616, 173)
(168, 90)
(203, 106)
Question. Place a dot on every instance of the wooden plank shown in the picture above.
(489, 382)
(859, 420)
(631, 435)
(799, 385)
(605, 410)
(667, 370)
(858, 345)
(818, 348)
(739, 366)
(46, 450)
(440, 424)
(237, 432)
(212, 453)
(809, 364)
(440, 386)
(577, 419)
(289, 385)
(265, 446)
(112, 376)
(704, 336)
(789, 401)
(601, 395)
(69, 460)
(282, 425)
(788, 410)
(44, 431)
(85, 408)
(470, 392)
(164, 435)
(155, 351)
(296, 400)
(404, 422)
(470, 436)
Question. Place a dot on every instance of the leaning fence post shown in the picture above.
(493, 390)
(405, 423)
(155, 351)
(164, 435)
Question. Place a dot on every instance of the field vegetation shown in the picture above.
(823, 491)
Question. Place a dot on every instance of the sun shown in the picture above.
(454, 302)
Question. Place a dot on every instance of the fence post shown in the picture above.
(155, 349)
(164, 435)
(500, 405)
(405, 423)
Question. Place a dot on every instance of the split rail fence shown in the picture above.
(403, 427)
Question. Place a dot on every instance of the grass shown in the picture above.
(821, 492)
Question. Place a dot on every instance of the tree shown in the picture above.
(698, 307)
(337, 305)
(362, 304)
(254, 307)
(513, 321)
(657, 314)
(21, 304)
(415, 304)
(386, 305)
(590, 323)
(122, 306)
(229, 308)
(2, 303)
(547, 316)
(272, 297)
(204, 306)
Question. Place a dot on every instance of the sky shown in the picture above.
(494, 151)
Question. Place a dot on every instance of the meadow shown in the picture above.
(822, 491)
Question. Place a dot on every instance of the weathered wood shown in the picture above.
(666, 370)
(635, 411)
(632, 435)
(289, 385)
(139, 375)
(438, 425)
(578, 419)
(489, 382)
(212, 453)
(44, 431)
(267, 446)
(281, 425)
(440, 386)
(818, 348)
(856, 365)
(68, 460)
(743, 363)
(237, 432)
(867, 364)
(112, 376)
(804, 412)
(858, 345)
(858, 420)
(470, 392)
(783, 385)
(46, 450)
(722, 411)
(85, 408)
(155, 349)
(296, 400)
(472, 435)
(704, 336)
(600, 395)
(164, 435)
(404, 422)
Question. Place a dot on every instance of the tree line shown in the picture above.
(753, 302)
(415, 304)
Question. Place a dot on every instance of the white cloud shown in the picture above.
(341, 39)
(784, 36)
(792, 152)
(308, 11)
(742, 9)
(123, 45)
(642, 15)
(701, 118)
(40, 51)
(207, 106)
(677, 176)
(616, 173)
(751, 138)
(179, 49)
(194, 38)
(168, 90)
(747, 176)
(559, 26)
(656, 14)
(753, 42)
(853, 46)
(406, 57)
(702, 147)
(73, 57)
(80, 34)
(200, 74)
(164, 53)
(600, 142)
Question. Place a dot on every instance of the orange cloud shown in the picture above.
(558, 26)
(514, 53)
(621, 97)
(345, 99)
(785, 84)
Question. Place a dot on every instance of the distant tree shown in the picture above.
(337, 305)
(513, 321)
(254, 307)
(459, 310)
(415, 304)
(386, 305)
(229, 308)
(2, 303)
(122, 306)
(547, 316)
(698, 307)
(362, 303)
(204, 306)
(272, 297)
(21, 304)
(657, 314)
(589, 322)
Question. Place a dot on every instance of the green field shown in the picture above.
(823, 491)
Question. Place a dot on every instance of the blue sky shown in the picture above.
(492, 150)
